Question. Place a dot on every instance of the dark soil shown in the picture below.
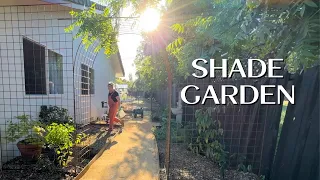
(20, 169)
(185, 165)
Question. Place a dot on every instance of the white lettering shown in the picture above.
(243, 94)
(214, 95)
(286, 94)
(183, 94)
(271, 68)
(204, 70)
(250, 68)
(264, 94)
(240, 69)
(224, 95)
(223, 68)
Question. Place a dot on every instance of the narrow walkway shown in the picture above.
(132, 156)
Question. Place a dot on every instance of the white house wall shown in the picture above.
(104, 74)
(44, 24)
(39, 24)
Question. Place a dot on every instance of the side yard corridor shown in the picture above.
(132, 155)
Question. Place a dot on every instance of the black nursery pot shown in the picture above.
(52, 155)
(50, 152)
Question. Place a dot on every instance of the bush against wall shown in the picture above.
(54, 114)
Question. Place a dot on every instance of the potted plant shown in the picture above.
(29, 135)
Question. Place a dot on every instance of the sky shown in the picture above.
(128, 43)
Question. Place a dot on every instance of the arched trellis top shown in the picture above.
(85, 55)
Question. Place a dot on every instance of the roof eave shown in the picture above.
(121, 64)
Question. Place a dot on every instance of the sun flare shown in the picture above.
(149, 20)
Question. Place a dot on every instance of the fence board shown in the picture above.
(273, 118)
(311, 149)
(244, 125)
(286, 128)
(296, 126)
(252, 130)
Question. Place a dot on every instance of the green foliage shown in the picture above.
(262, 177)
(26, 128)
(60, 137)
(54, 114)
(160, 133)
(249, 30)
(146, 67)
(102, 29)
(241, 166)
(95, 27)
(177, 133)
(209, 140)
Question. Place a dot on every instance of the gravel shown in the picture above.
(185, 165)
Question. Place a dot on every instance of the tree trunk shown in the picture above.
(168, 136)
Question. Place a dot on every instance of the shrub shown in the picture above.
(160, 133)
(60, 137)
(30, 130)
(209, 138)
(178, 133)
(54, 114)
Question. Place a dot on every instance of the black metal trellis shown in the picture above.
(42, 65)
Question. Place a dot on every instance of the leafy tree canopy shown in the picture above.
(103, 28)
(247, 29)
(213, 29)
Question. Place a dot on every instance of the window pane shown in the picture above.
(34, 67)
(55, 73)
(91, 81)
(84, 79)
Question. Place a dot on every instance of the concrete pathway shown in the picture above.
(133, 155)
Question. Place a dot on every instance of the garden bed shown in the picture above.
(18, 168)
(185, 165)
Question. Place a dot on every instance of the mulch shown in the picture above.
(185, 165)
(20, 169)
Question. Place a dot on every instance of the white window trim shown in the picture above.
(47, 95)
(85, 95)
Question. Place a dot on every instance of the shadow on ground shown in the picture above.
(139, 161)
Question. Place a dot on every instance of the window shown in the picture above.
(91, 75)
(87, 80)
(34, 67)
(55, 73)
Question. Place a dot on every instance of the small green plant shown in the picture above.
(177, 132)
(165, 112)
(26, 128)
(60, 137)
(262, 177)
(209, 140)
(160, 133)
(54, 114)
(241, 159)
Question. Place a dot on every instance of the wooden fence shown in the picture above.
(252, 130)
(297, 155)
